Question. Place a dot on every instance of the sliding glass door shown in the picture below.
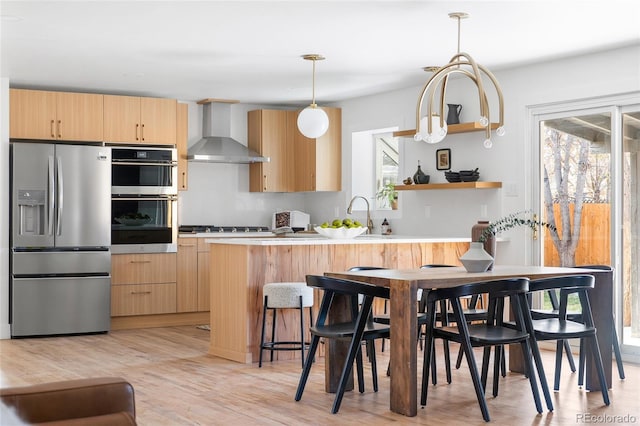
(630, 261)
(588, 187)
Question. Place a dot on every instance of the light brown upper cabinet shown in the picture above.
(269, 134)
(318, 162)
(297, 163)
(38, 114)
(131, 119)
(182, 135)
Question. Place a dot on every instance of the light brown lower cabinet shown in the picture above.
(143, 299)
(204, 288)
(143, 284)
(187, 279)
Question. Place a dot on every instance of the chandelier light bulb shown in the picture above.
(487, 143)
(438, 133)
(313, 122)
(484, 121)
(500, 131)
(417, 137)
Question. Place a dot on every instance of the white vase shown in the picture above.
(476, 259)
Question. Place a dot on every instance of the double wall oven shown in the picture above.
(144, 195)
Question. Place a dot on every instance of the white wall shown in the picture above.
(5, 332)
(219, 194)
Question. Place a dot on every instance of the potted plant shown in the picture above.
(389, 195)
(511, 221)
(483, 243)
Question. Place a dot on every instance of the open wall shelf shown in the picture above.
(451, 129)
(455, 185)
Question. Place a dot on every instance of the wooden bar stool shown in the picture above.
(286, 295)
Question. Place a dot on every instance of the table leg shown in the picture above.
(403, 345)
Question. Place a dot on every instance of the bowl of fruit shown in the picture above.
(341, 229)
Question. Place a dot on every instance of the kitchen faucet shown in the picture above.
(369, 222)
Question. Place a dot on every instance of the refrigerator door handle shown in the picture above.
(52, 196)
(60, 197)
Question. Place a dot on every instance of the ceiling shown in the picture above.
(250, 50)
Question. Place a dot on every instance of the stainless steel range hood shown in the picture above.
(216, 145)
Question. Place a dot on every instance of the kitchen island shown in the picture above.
(240, 267)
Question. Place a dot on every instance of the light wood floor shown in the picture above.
(176, 383)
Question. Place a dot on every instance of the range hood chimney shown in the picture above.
(216, 145)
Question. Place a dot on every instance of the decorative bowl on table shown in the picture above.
(342, 233)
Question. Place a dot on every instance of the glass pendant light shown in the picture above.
(313, 122)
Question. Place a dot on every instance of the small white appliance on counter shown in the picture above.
(294, 219)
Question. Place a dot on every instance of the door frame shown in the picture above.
(616, 105)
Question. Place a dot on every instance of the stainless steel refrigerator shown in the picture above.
(60, 239)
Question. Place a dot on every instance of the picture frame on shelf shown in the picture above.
(443, 159)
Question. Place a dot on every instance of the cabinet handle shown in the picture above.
(186, 245)
(184, 179)
(141, 292)
(53, 133)
(142, 132)
(59, 129)
(137, 128)
(140, 261)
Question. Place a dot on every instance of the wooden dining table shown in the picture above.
(403, 285)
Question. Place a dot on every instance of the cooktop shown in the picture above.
(195, 229)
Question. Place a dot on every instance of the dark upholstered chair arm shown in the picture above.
(104, 400)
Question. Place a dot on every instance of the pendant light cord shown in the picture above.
(313, 85)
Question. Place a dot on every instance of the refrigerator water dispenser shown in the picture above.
(31, 207)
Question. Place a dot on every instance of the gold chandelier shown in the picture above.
(461, 63)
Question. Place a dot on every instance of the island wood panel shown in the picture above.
(229, 276)
(238, 273)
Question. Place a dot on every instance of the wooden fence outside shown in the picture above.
(594, 247)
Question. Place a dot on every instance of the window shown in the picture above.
(375, 160)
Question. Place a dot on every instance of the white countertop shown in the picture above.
(310, 239)
(239, 234)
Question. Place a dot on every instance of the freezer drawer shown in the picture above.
(61, 305)
(61, 262)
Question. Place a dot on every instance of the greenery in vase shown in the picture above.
(388, 193)
(511, 221)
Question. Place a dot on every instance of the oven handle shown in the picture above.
(168, 197)
(143, 163)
